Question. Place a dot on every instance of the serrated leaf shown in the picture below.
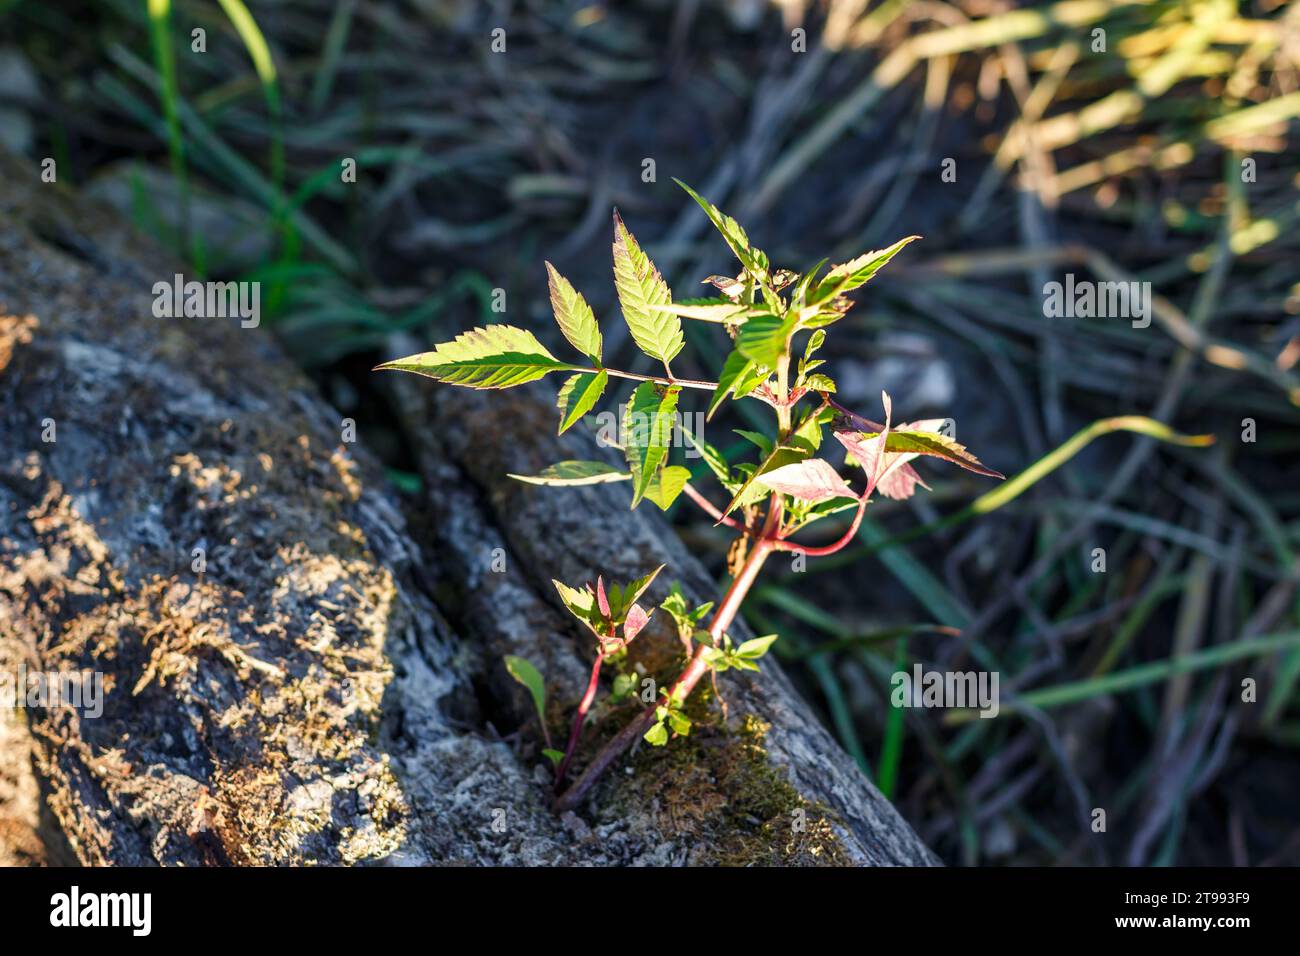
(755, 648)
(580, 602)
(525, 673)
(495, 356)
(817, 382)
(763, 339)
(909, 442)
(573, 315)
(578, 395)
(666, 485)
(856, 272)
(640, 287)
(648, 420)
(905, 440)
(754, 260)
(575, 473)
(812, 480)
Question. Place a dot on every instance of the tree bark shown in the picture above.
(298, 667)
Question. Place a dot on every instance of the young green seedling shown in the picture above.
(786, 488)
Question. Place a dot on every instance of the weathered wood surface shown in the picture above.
(330, 687)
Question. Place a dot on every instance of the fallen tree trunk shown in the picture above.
(293, 669)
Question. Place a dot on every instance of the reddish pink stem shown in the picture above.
(680, 689)
(830, 548)
(713, 512)
(580, 718)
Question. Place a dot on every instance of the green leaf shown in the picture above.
(640, 287)
(575, 473)
(781, 455)
(574, 316)
(814, 343)
(528, 675)
(818, 382)
(647, 429)
(622, 598)
(799, 295)
(666, 485)
(578, 395)
(554, 756)
(755, 648)
(763, 339)
(908, 441)
(722, 311)
(758, 440)
(657, 735)
(735, 371)
(680, 723)
(856, 272)
(581, 603)
(809, 432)
(712, 457)
(754, 260)
(495, 356)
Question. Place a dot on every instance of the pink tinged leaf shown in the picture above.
(812, 480)
(900, 482)
(637, 619)
(601, 599)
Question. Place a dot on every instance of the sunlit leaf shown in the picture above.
(856, 272)
(573, 315)
(575, 473)
(578, 395)
(640, 287)
(812, 480)
(754, 260)
(525, 673)
(666, 485)
(495, 356)
(648, 420)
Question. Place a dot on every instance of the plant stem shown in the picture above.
(830, 548)
(681, 688)
(580, 718)
(683, 382)
(714, 512)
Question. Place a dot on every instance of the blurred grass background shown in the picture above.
(1124, 160)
